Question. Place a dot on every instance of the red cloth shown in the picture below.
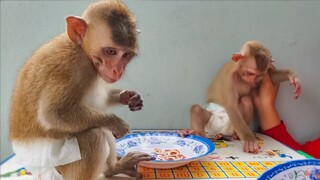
(281, 134)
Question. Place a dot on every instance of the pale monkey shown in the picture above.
(230, 107)
(62, 93)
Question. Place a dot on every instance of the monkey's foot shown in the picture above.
(132, 172)
(218, 136)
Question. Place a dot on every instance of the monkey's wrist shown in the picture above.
(121, 99)
(121, 92)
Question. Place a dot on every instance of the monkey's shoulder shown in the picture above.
(221, 84)
(55, 51)
(58, 57)
(224, 76)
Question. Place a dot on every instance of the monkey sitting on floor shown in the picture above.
(230, 108)
(59, 126)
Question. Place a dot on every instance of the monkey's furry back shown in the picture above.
(55, 66)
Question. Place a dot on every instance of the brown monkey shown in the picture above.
(230, 106)
(59, 126)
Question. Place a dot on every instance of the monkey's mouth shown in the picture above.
(109, 80)
(255, 85)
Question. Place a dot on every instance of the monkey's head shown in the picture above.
(254, 62)
(108, 35)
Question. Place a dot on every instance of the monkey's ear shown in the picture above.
(236, 57)
(76, 28)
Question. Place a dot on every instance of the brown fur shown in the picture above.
(48, 99)
(47, 74)
(231, 91)
(118, 17)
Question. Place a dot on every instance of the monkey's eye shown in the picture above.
(128, 55)
(245, 74)
(110, 51)
(248, 73)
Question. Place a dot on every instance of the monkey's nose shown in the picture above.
(252, 83)
(117, 73)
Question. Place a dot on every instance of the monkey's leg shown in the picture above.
(126, 164)
(112, 158)
(199, 118)
(94, 152)
(246, 108)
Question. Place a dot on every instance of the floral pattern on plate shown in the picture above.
(191, 147)
(304, 169)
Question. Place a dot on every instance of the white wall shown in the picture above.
(182, 45)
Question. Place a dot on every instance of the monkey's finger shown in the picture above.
(294, 84)
(251, 147)
(296, 95)
(135, 97)
(135, 103)
(256, 148)
(135, 108)
(144, 156)
(135, 159)
(191, 131)
(297, 90)
(246, 147)
(235, 136)
(133, 173)
(181, 133)
(185, 132)
(130, 93)
(137, 154)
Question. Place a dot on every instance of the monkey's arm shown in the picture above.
(239, 124)
(61, 108)
(242, 130)
(114, 96)
(237, 119)
(126, 97)
(278, 76)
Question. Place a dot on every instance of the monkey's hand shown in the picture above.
(235, 136)
(250, 144)
(185, 132)
(118, 127)
(127, 164)
(132, 99)
(294, 81)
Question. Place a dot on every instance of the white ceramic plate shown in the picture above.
(169, 149)
(306, 169)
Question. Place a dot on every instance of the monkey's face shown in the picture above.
(109, 59)
(249, 72)
(111, 62)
